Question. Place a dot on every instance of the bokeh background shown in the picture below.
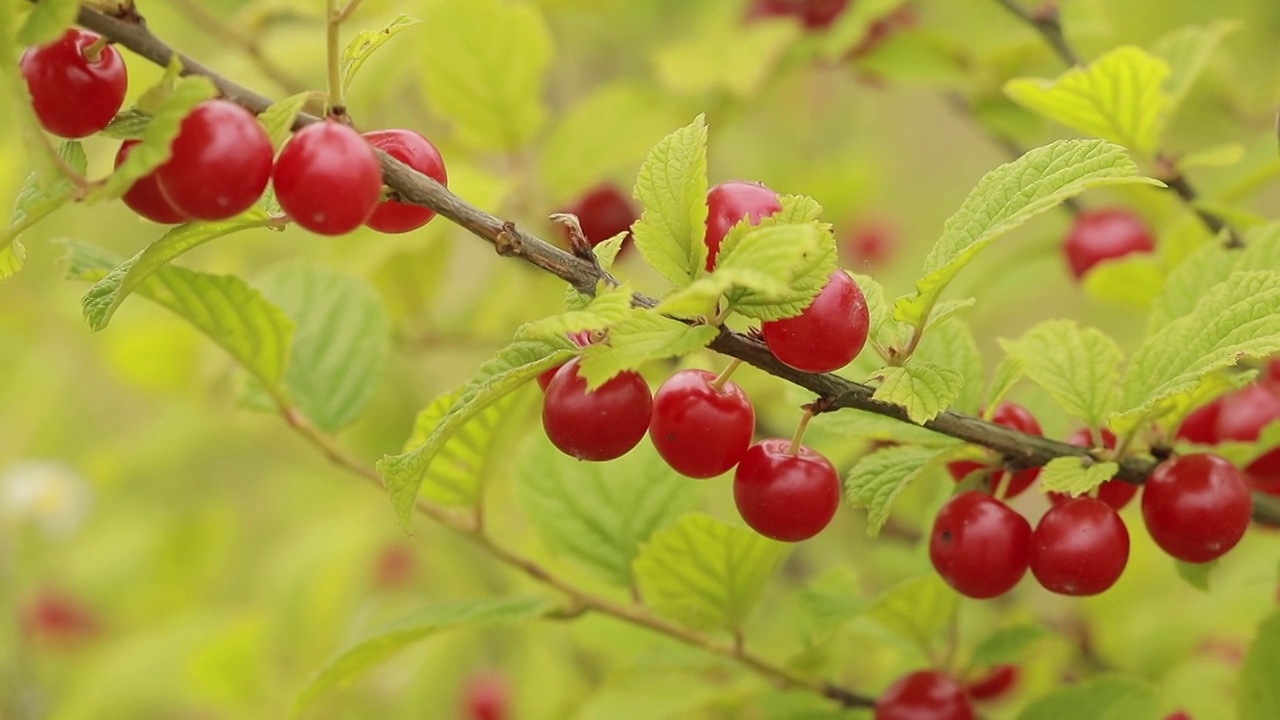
(170, 554)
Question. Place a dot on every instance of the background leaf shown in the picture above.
(1076, 366)
(36, 201)
(457, 473)
(1187, 52)
(916, 610)
(1259, 695)
(47, 21)
(366, 42)
(1007, 645)
(1109, 697)
(878, 477)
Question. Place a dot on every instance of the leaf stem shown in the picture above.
(333, 54)
(723, 377)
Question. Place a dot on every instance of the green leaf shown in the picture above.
(1209, 265)
(808, 276)
(47, 21)
(1119, 97)
(877, 479)
(232, 314)
(482, 65)
(1007, 645)
(952, 344)
(916, 610)
(1075, 476)
(37, 200)
(365, 42)
(704, 573)
(863, 425)
(1195, 574)
(1259, 693)
(672, 188)
(1236, 319)
(600, 513)
(853, 25)
(639, 338)
(769, 254)
(1076, 366)
(1006, 198)
(102, 300)
(725, 57)
(1131, 281)
(278, 119)
(828, 603)
(1108, 697)
(1007, 374)
(1216, 156)
(923, 388)
(380, 644)
(1187, 52)
(18, 100)
(877, 308)
(608, 307)
(516, 364)
(128, 124)
(606, 252)
(457, 474)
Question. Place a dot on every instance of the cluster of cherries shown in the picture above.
(701, 423)
(1240, 416)
(326, 178)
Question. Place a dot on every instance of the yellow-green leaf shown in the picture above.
(878, 478)
(1107, 697)
(365, 42)
(278, 119)
(1077, 366)
(923, 388)
(1075, 476)
(1187, 52)
(1131, 281)
(47, 21)
(637, 339)
(672, 189)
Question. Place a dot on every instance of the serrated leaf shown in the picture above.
(1007, 374)
(278, 119)
(102, 300)
(483, 65)
(1236, 319)
(1195, 574)
(770, 253)
(861, 425)
(1216, 156)
(38, 199)
(1006, 198)
(1109, 697)
(1075, 476)
(952, 344)
(1076, 366)
(878, 478)
(607, 308)
(457, 474)
(378, 645)
(1131, 281)
(600, 513)
(639, 338)
(1187, 52)
(1119, 97)
(916, 610)
(223, 307)
(1259, 695)
(128, 124)
(1007, 645)
(672, 189)
(1209, 265)
(923, 388)
(809, 275)
(705, 574)
(877, 306)
(606, 252)
(724, 57)
(47, 21)
(365, 42)
(516, 364)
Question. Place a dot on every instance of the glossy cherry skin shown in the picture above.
(414, 150)
(485, 697)
(784, 496)
(1246, 411)
(1010, 415)
(730, 202)
(145, 197)
(327, 178)
(1107, 234)
(221, 162)
(1200, 426)
(996, 683)
(1196, 507)
(924, 695)
(815, 14)
(828, 334)
(600, 425)
(74, 96)
(603, 212)
(979, 546)
(701, 432)
(1079, 548)
(1116, 493)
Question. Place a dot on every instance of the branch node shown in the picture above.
(508, 242)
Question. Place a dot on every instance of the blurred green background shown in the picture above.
(206, 562)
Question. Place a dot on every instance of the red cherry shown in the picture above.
(1245, 412)
(1201, 425)
(599, 425)
(414, 150)
(869, 246)
(730, 202)
(828, 334)
(327, 178)
(979, 546)
(221, 162)
(785, 496)
(394, 568)
(701, 432)
(145, 197)
(1273, 370)
(1016, 417)
(1263, 474)
(996, 683)
(603, 212)
(59, 619)
(485, 697)
(924, 695)
(1116, 493)
(1196, 507)
(1178, 715)
(815, 14)
(1079, 548)
(1100, 235)
(74, 95)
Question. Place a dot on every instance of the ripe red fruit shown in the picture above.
(581, 338)
(599, 425)
(924, 695)
(815, 14)
(1273, 370)
(868, 246)
(414, 150)
(1196, 507)
(730, 202)
(1201, 425)
(75, 92)
(700, 431)
(145, 197)
(979, 546)
(1178, 715)
(603, 212)
(1244, 413)
(828, 334)
(996, 683)
(1079, 547)
(1010, 415)
(1263, 474)
(1116, 493)
(220, 164)
(394, 568)
(1100, 235)
(785, 496)
(58, 619)
(485, 697)
(327, 178)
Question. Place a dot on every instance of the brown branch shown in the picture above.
(1019, 449)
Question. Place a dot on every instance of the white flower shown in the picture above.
(50, 494)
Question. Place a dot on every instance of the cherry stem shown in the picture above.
(799, 435)
(333, 22)
(721, 316)
(93, 52)
(1006, 479)
(723, 377)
